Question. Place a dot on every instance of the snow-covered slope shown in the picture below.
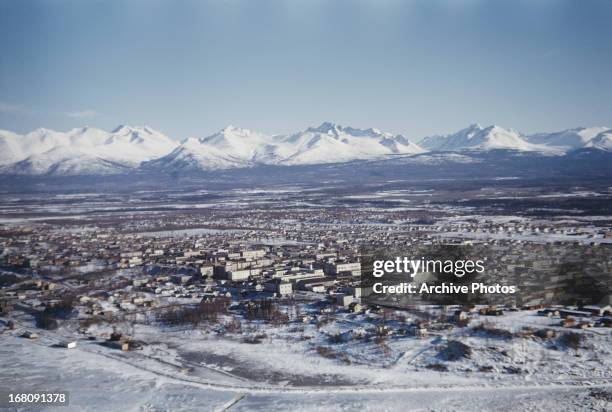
(328, 143)
(17, 147)
(93, 151)
(475, 137)
(229, 148)
(193, 155)
(10, 147)
(602, 141)
(331, 143)
(570, 139)
(134, 145)
(64, 160)
(243, 145)
(83, 150)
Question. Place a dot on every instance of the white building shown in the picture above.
(354, 268)
(281, 288)
(253, 254)
(243, 274)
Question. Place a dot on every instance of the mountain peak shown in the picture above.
(41, 131)
(326, 127)
(190, 141)
(493, 129)
(124, 129)
(231, 129)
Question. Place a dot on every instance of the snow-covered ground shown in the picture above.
(94, 380)
(185, 369)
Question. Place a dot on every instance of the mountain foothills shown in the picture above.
(91, 151)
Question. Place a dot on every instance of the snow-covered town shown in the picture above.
(271, 299)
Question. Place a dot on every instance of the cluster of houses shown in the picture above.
(117, 272)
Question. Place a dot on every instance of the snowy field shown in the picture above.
(94, 380)
(184, 369)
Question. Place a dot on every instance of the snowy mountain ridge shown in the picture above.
(328, 143)
(89, 150)
(45, 151)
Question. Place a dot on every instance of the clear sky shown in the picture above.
(188, 68)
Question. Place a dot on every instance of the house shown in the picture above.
(597, 310)
(354, 268)
(382, 330)
(279, 287)
(355, 307)
(115, 336)
(134, 261)
(311, 284)
(69, 344)
(568, 322)
(181, 279)
(253, 254)
(344, 300)
(420, 332)
(243, 274)
(207, 271)
(566, 313)
(549, 312)
(491, 311)
(546, 333)
(460, 315)
(30, 335)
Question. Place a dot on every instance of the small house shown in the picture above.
(568, 322)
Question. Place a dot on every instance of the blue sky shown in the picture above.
(188, 68)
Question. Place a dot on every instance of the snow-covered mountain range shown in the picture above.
(81, 151)
(328, 143)
(94, 151)
(475, 137)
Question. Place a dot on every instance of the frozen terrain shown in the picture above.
(159, 380)
(91, 151)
